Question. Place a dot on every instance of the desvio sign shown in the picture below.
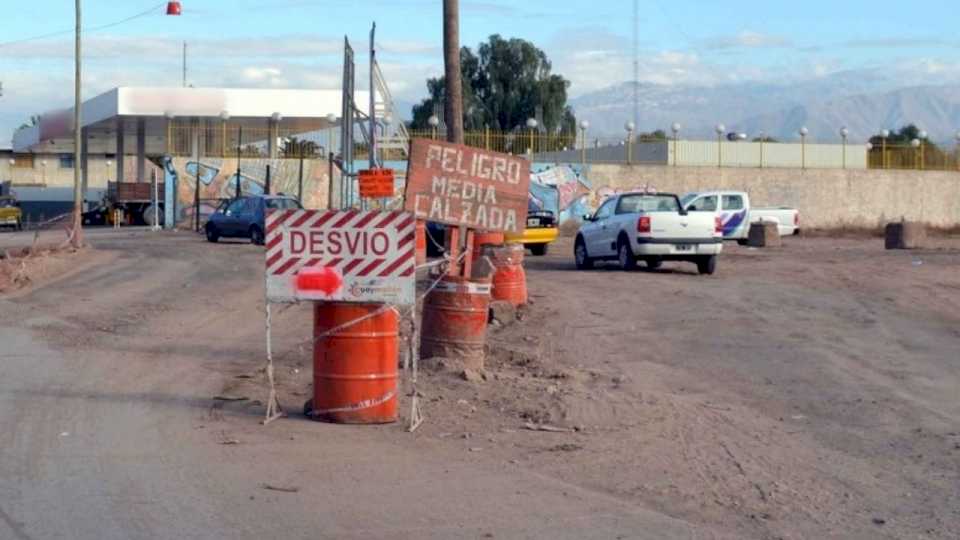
(458, 185)
(345, 256)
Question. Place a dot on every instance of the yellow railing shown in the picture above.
(905, 156)
(222, 139)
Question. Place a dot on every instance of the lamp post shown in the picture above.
(916, 153)
(923, 147)
(224, 118)
(629, 126)
(434, 122)
(957, 138)
(844, 133)
(583, 136)
(108, 164)
(675, 128)
(720, 129)
(884, 135)
(43, 170)
(803, 146)
(532, 126)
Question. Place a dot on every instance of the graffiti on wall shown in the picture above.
(218, 181)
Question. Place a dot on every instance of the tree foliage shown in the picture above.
(503, 84)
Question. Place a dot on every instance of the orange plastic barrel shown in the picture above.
(354, 369)
(455, 321)
(509, 278)
(421, 246)
(481, 239)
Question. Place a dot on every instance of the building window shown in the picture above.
(66, 161)
(23, 161)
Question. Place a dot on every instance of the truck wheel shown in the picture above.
(743, 241)
(212, 234)
(19, 225)
(628, 261)
(707, 265)
(654, 263)
(580, 256)
(256, 236)
(538, 250)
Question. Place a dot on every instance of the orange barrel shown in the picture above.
(354, 369)
(481, 239)
(454, 321)
(509, 278)
(421, 242)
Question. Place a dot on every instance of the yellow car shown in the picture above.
(10, 213)
(541, 231)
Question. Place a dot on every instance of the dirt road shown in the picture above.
(804, 392)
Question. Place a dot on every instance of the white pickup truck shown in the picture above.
(735, 212)
(652, 227)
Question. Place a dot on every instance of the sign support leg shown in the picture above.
(274, 410)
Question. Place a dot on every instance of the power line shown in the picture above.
(85, 30)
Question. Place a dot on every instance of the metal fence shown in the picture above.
(926, 156)
(221, 139)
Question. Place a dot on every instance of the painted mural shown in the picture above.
(218, 181)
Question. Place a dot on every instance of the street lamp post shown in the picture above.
(224, 118)
(583, 146)
(532, 126)
(43, 169)
(957, 138)
(629, 126)
(803, 146)
(884, 135)
(916, 153)
(434, 122)
(675, 128)
(720, 129)
(923, 147)
(844, 133)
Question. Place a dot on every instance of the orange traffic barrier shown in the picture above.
(354, 369)
(421, 247)
(509, 278)
(455, 321)
(481, 239)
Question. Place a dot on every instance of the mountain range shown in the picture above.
(864, 102)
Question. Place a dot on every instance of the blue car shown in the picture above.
(245, 217)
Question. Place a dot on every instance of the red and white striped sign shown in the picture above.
(341, 255)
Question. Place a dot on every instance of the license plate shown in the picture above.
(533, 222)
(683, 247)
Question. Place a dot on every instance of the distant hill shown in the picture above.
(863, 102)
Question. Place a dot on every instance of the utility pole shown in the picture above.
(453, 105)
(76, 238)
(184, 64)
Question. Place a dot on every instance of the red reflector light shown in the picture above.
(323, 279)
(718, 228)
(643, 224)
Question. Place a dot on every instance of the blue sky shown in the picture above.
(297, 43)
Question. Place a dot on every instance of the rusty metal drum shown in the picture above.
(454, 321)
(354, 365)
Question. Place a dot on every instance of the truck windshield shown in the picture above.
(688, 198)
(631, 204)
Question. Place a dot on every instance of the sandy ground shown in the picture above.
(809, 391)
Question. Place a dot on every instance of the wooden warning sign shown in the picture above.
(458, 185)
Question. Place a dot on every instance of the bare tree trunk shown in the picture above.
(76, 236)
(453, 104)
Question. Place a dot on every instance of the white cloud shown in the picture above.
(746, 39)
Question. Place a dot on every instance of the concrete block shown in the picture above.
(764, 234)
(905, 235)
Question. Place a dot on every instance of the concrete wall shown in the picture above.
(826, 198)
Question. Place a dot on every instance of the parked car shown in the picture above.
(541, 230)
(245, 217)
(650, 227)
(10, 213)
(735, 211)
